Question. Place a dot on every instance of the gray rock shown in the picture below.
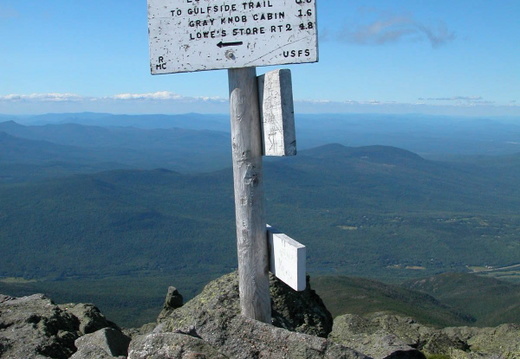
(502, 342)
(214, 317)
(34, 327)
(441, 344)
(381, 337)
(240, 338)
(172, 346)
(90, 317)
(173, 299)
(144, 329)
(211, 326)
(368, 334)
(303, 312)
(108, 342)
(92, 352)
(4, 298)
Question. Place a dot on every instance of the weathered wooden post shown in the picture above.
(252, 249)
(196, 35)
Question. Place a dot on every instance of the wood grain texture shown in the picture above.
(253, 257)
(277, 113)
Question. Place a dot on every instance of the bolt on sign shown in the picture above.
(197, 35)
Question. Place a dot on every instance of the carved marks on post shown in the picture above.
(277, 113)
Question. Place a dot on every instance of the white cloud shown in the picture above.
(169, 102)
(459, 100)
(347, 102)
(152, 96)
(153, 102)
(451, 106)
(162, 96)
(43, 97)
(392, 28)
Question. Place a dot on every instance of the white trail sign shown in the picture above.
(196, 35)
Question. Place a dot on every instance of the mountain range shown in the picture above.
(107, 205)
(428, 136)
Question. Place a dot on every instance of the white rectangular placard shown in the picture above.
(196, 35)
(287, 259)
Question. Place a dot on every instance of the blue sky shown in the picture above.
(436, 57)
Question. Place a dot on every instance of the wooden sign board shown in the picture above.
(197, 35)
(277, 113)
(287, 259)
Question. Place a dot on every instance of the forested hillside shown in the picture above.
(374, 210)
(95, 213)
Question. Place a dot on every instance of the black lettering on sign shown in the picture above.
(297, 53)
(213, 34)
(307, 26)
(249, 31)
(222, 8)
(302, 13)
(233, 19)
(161, 65)
(256, 4)
(301, 2)
(199, 23)
(281, 28)
(196, 11)
(269, 16)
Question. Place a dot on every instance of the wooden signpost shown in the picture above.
(238, 35)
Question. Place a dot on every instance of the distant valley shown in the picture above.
(108, 205)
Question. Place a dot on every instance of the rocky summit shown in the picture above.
(34, 327)
(210, 326)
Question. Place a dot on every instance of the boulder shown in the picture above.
(34, 327)
(238, 338)
(211, 326)
(379, 336)
(383, 335)
(213, 320)
(172, 346)
(500, 342)
(303, 312)
(90, 317)
(105, 343)
(172, 301)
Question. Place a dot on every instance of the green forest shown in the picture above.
(120, 237)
